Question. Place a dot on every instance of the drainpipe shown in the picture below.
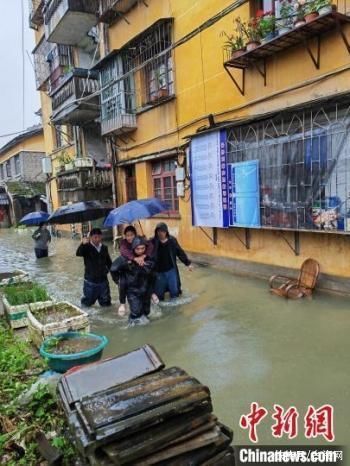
(112, 156)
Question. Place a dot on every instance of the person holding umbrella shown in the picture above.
(42, 238)
(166, 251)
(97, 263)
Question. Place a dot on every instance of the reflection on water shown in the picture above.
(233, 336)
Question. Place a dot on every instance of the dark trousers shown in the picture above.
(122, 290)
(167, 281)
(93, 292)
(39, 253)
(139, 304)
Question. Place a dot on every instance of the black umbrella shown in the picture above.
(79, 212)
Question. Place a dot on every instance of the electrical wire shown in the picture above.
(23, 65)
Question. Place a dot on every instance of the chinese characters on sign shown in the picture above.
(317, 422)
(209, 180)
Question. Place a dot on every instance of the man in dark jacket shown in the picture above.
(166, 251)
(97, 263)
(136, 280)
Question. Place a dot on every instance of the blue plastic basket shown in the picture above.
(63, 362)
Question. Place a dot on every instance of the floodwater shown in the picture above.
(233, 336)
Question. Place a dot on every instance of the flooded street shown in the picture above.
(243, 343)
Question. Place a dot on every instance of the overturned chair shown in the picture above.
(295, 288)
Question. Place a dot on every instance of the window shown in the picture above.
(1, 172)
(164, 183)
(304, 161)
(130, 182)
(8, 169)
(58, 136)
(149, 56)
(159, 79)
(263, 5)
(17, 165)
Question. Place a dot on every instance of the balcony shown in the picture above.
(84, 184)
(119, 124)
(67, 104)
(36, 17)
(51, 62)
(111, 10)
(296, 36)
(68, 21)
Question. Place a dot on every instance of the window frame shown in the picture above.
(161, 176)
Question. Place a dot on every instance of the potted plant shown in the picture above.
(267, 26)
(65, 161)
(253, 34)
(234, 45)
(323, 7)
(285, 22)
(311, 12)
(300, 12)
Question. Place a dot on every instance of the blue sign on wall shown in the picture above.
(244, 193)
(209, 184)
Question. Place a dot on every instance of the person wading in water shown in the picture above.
(42, 238)
(97, 263)
(166, 250)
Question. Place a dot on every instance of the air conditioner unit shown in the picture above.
(46, 164)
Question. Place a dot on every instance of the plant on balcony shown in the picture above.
(285, 23)
(65, 161)
(311, 12)
(299, 8)
(252, 33)
(323, 6)
(267, 26)
(234, 44)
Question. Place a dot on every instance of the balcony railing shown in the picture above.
(51, 62)
(67, 103)
(118, 123)
(36, 17)
(68, 21)
(110, 10)
(84, 184)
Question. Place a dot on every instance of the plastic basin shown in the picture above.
(64, 362)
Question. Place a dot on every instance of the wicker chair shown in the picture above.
(300, 287)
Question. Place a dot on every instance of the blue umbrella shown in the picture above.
(135, 210)
(34, 218)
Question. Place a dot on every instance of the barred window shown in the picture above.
(304, 167)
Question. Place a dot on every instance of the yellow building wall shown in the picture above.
(203, 87)
(34, 143)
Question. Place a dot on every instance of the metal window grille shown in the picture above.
(118, 95)
(304, 167)
(164, 183)
(51, 62)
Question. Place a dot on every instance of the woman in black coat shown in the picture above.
(166, 250)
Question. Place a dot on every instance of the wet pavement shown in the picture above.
(229, 333)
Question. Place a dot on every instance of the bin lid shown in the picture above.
(87, 380)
